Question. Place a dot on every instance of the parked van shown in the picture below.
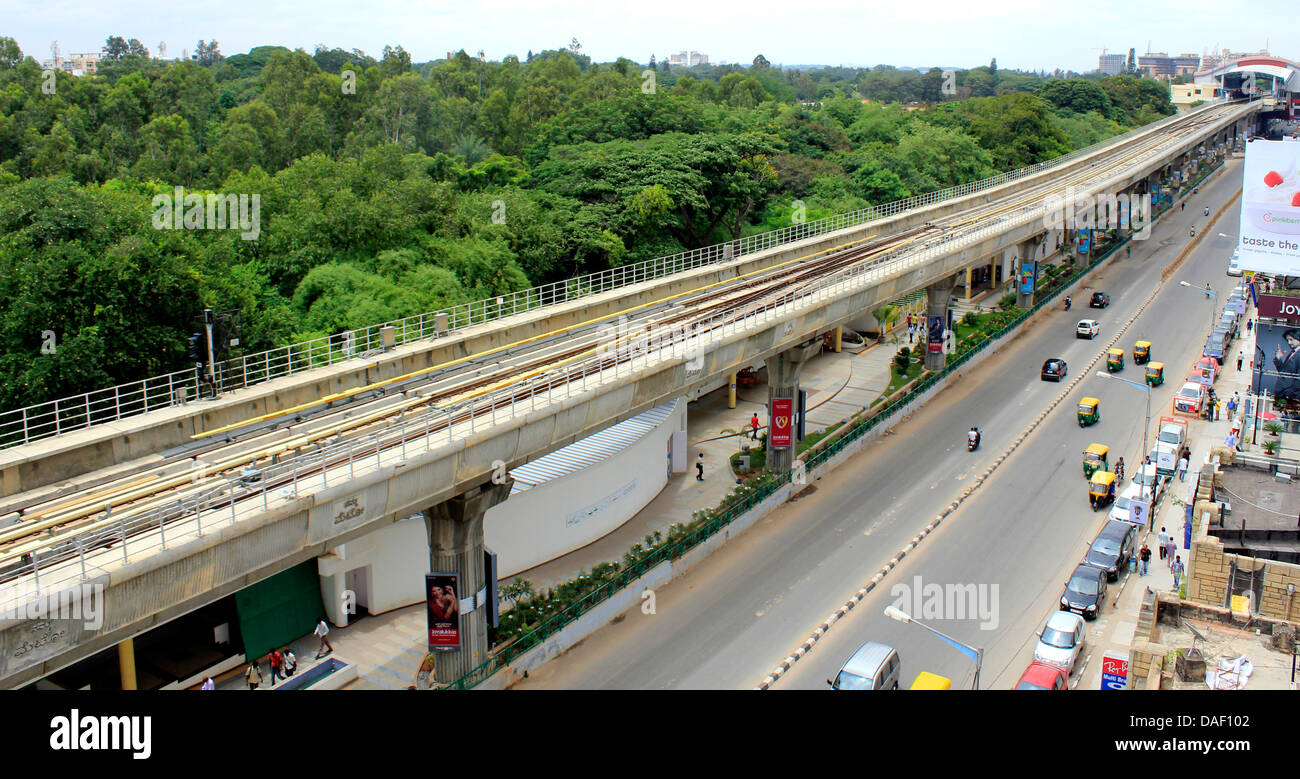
(874, 666)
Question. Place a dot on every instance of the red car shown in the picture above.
(1189, 398)
(1043, 676)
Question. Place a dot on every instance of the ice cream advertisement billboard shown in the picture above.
(1270, 208)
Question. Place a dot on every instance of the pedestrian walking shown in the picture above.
(290, 662)
(208, 684)
(1119, 469)
(1170, 547)
(909, 323)
(1207, 210)
(699, 467)
(1238, 360)
(753, 423)
(253, 675)
(275, 659)
(1177, 568)
(1249, 324)
(1182, 206)
(1145, 556)
(1218, 407)
(323, 630)
(1161, 539)
(1182, 469)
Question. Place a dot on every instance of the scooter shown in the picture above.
(973, 443)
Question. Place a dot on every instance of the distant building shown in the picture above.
(1185, 94)
(688, 59)
(1211, 61)
(1161, 65)
(76, 64)
(1112, 64)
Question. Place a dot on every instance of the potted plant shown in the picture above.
(1270, 447)
(1273, 428)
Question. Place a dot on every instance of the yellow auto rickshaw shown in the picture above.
(1141, 352)
(1094, 459)
(1156, 374)
(1088, 411)
(1101, 489)
(928, 681)
(1114, 359)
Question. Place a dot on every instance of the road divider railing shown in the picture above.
(56, 417)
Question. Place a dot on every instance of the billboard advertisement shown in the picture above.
(1027, 276)
(1279, 307)
(442, 592)
(782, 416)
(1277, 360)
(1270, 208)
(1085, 236)
(1114, 670)
(934, 334)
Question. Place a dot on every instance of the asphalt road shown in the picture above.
(726, 624)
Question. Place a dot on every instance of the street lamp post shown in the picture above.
(1209, 295)
(898, 615)
(1147, 389)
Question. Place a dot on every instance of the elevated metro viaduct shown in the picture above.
(451, 483)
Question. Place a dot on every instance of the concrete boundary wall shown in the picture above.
(73, 454)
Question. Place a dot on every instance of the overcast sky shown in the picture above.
(1025, 34)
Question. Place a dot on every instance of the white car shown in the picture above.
(1189, 398)
(1087, 328)
(1234, 265)
(1121, 508)
(1061, 641)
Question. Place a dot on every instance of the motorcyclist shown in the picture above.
(973, 436)
(1067, 302)
(1119, 469)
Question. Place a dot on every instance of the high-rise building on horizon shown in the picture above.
(688, 59)
(1112, 64)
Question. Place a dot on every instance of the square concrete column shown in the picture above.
(1028, 265)
(937, 296)
(455, 529)
(783, 370)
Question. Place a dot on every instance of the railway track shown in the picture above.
(208, 471)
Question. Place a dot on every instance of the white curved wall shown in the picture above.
(558, 516)
(535, 525)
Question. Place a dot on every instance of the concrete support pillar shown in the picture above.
(968, 284)
(455, 529)
(731, 391)
(126, 664)
(936, 299)
(839, 339)
(783, 371)
(1028, 264)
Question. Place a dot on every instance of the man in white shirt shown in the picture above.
(323, 630)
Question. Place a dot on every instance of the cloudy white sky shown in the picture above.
(959, 33)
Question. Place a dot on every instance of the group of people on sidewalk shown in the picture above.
(1168, 551)
(283, 664)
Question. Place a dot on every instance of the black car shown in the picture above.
(1054, 369)
(1112, 548)
(1099, 300)
(1085, 591)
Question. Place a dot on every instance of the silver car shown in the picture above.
(1061, 641)
(874, 666)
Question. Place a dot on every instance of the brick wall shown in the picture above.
(1210, 570)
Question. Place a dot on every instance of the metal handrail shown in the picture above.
(51, 418)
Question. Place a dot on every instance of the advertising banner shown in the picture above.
(1277, 360)
(1114, 670)
(1270, 208)
(1123, 214)
(1139, 511)
(934, 334)
(782, 416)
(442, 593)
(1084, 239)
(1027, 276)
(1279, 307)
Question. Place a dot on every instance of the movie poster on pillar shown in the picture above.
(934, 339)
(1270, 208)
(782, 416)
(1277, 361)
(442, 591)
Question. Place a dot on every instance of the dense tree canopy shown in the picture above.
(387, 188)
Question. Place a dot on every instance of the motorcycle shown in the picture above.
(1067, 304)
(973, 442)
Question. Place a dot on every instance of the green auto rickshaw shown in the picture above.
(1088, 411)
(1094, 459)
(1141, 352)
(1156, 374)
(1114, 359)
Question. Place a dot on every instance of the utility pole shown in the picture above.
(208, 320)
